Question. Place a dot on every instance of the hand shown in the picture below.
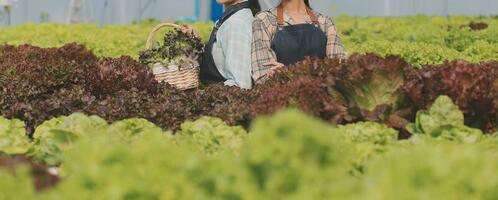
(189, 29)
(274, 66)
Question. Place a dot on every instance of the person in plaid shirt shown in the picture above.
(227, 55)
(288, 33)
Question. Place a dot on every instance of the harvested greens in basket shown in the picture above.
(178, 50)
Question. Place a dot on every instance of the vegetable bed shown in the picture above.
(419, 40)
(419, 125)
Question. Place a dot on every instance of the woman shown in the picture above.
(227, 56)
(289, 33)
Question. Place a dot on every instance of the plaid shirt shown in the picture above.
(264, 29)
(232, 50)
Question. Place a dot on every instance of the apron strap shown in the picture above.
(280, 16)
(281, 21)
(231, 10)
(312, 15)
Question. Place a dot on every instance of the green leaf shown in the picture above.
(130, 129)
(59, 134)
(212, 135)
(445, 121)
(13, 138)
(443, 112)
(369, 132)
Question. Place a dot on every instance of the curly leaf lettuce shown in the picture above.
(472, 86)
(370, 80)
(370, 140)
(428, 171)
(283, 152)
(212, 135)
(130, 129)
(442, 113)
(13, 138)
(369, 132)
(59, 134)
(444, 120)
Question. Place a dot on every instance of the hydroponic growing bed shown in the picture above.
(86, 120)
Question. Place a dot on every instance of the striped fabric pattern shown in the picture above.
(232, 50)
(264, 29)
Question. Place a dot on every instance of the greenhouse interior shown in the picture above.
(249, 99)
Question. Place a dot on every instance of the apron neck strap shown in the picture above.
(280, 16)
(231, 10)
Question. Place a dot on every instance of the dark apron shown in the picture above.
(209, 73)
(292, 43)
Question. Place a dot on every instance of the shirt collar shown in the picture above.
(288, 18)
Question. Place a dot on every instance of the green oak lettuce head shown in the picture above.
(211, 135)
(149, 168)
(370, 139)
(369, 132)
(428, 171)
(59, 134)
(285, 153)
(445, 121)
(13, 138)
(282, 158)
(130, 129)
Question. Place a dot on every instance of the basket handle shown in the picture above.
(150, 38)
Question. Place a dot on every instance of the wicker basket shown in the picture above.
(182, 79)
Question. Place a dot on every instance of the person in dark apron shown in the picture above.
(227, 55)
(289, 33)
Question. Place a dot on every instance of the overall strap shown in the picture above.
(209, 73)
(231, 10)
(281, 21)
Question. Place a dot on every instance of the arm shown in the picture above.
(334, 45)
(236, 45)
(189, 29)
(262, 54)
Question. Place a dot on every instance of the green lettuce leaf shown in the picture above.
(17, 184)
(13, 138)
(369, 132)
(59, 134)
(130, 129)
(284, 151)
(212, 135)
(445, 121)
(369, 138)
(432, 171)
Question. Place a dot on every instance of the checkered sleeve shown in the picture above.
(264, 27)
(235, 38)
(334, 45)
